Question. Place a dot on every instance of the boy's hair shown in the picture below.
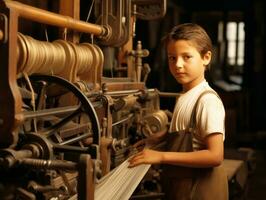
(190, 32)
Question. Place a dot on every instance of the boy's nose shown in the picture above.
(179, 63)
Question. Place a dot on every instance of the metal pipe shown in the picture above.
(53, 111)
(168, 94)
(68, 148)
(164, 94)
(123, 120)
(49, 112)
(49, 164)
(124, 92)
(46, 17)
(76, 139)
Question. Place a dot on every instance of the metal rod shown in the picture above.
(49, 164)
(76, 139)
(68, 148)
(168, 94)
(53, 111)
(123, 120)
(46, 17)
(148, 196)
(49, 112)
(124, 92)
(164, 94)
(50, 131)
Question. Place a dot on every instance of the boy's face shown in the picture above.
(186, 63)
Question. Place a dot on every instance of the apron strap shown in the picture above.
(192, 123)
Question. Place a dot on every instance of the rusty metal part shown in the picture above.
(10, 157)
(115, 15)
(138, 54)
(33, 186)
(146, 70)
(125, 102)
(48, 164)
(154, 122)
(106, 135)
(119, 144)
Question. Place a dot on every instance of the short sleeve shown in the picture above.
(210, 115)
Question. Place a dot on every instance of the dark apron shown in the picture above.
(185, 183)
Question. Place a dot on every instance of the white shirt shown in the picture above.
(210, 114)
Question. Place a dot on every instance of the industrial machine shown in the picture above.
(71, 108)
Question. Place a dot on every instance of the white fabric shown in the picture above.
(120, 183)
(210, 114)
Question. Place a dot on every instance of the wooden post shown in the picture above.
(10, 98)
(70, 8)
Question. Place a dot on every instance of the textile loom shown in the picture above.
(72, 108)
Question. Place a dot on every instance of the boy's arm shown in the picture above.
(209, 157)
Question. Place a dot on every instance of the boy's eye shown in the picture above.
(186, 57)
(171, 58)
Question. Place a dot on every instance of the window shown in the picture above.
(231, 40)
(235, 39)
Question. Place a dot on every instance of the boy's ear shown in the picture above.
(207, 58)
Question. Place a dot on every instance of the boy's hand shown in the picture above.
(146, 156)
